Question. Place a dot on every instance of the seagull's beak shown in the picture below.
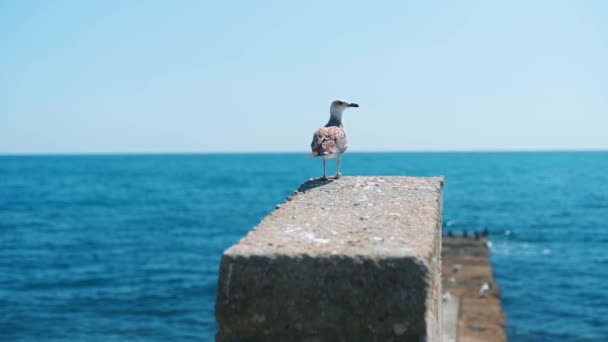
(353, 105)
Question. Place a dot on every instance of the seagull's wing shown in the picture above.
(328, 140)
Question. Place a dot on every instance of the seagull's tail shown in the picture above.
(313, 154)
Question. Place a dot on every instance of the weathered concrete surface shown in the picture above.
(354, 259)
(466, 266)
(450, 320)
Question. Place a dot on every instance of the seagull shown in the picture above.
(329, 141)
(485, 287)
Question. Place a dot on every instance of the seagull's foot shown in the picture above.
(337, 176)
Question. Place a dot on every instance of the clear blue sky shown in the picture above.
(200, 76)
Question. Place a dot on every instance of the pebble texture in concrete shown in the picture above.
(357, 258)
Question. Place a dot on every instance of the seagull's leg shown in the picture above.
(324, 166)
(338, 174)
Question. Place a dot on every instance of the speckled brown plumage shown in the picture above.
(329, 142)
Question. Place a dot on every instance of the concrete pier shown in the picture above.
(470, 315)
(354, 259)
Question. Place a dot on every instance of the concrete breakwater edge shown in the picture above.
(354, 259)
(472, 311)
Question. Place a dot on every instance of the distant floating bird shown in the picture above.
(485, 287)
(330, 141)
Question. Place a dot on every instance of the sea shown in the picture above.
(127, 247)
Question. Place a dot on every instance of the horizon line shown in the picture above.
(127, 153)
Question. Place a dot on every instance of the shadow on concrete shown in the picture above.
(313, 183)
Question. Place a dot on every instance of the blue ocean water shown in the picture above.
(127, 247)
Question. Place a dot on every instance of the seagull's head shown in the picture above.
(338, 106)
